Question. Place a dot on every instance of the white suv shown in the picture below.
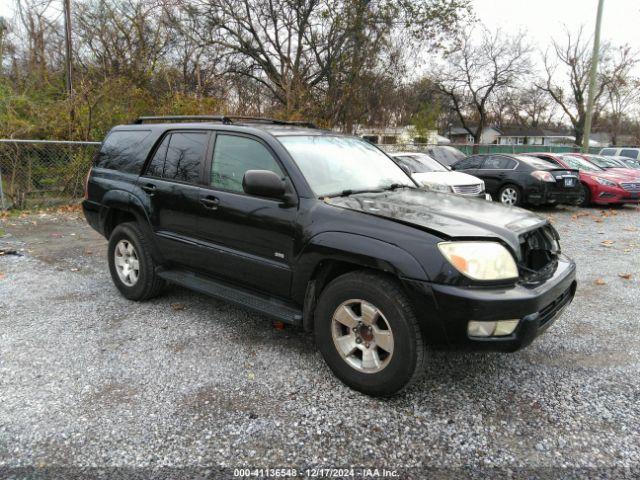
(629, 152)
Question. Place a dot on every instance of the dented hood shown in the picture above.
(452, 216)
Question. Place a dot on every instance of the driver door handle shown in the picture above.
(150, 188)
(210, 202)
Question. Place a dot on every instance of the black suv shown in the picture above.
(326, 232)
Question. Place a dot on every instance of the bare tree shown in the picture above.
(566, 79)
(476, 72)
(306, 52)
(623, 91)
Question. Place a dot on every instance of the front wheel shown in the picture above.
(367, 332)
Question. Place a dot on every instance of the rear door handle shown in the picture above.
(210, 202)
(150, 188)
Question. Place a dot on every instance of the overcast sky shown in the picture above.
(542, 18)
(545, 18)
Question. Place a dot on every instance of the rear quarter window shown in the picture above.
(630, 153)
(125, 150)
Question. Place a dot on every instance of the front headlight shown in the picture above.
(604, 181)
(480, 260)
(437, 187)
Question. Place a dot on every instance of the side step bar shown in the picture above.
(269, 306)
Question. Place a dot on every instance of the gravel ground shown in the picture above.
(89, 379)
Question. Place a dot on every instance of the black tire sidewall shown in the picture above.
(128, 232)
(586, 200)
(403, 362)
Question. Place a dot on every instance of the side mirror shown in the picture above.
(263, 183)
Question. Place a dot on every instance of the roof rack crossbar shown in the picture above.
(224, 119)
(182, 118)
(300, 123)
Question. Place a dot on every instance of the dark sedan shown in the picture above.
(518, 180)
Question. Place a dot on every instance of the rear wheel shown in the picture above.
(510, 195)
(368, 334)
(585, 196)
(131, 265)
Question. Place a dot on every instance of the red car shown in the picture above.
(609, 164)
(599, 186)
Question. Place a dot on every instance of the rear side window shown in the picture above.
(233, 156)
(629, 153)
(498, 163)
(125, 150)
(179, 157)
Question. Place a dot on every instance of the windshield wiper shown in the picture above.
(395, 186)
(353, 191)
(350, 191)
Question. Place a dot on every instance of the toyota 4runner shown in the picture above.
(326, 232)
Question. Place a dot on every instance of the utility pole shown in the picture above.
(592, 79)
(68, 54)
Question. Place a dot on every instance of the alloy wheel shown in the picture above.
(362, 336)
(127, 263)
(509, 196)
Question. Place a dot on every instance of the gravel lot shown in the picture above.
(89, 379)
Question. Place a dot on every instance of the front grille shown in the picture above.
(467, 189)
(631, 186)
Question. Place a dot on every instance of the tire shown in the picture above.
(508, 191)
(586, 196)
(397, 369)
(147, 284)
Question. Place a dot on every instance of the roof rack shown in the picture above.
(182, 118)
(224, 119)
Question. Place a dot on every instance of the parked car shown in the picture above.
(598, 185)
(445, 154)
(325, 232)
(519, 180)
(629, 152)
(609, 164)
(436, 177)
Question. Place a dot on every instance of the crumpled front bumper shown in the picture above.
(445, 310)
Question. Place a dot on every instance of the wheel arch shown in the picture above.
(332, 254)
(121, 206)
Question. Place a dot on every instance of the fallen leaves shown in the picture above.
(600, 281)
(176, 307)
(626, 276)
(607, 243)
(2, 276)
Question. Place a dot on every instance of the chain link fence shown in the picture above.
(37, 173)
(468, 149)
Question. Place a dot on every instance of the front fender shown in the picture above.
(356, 249)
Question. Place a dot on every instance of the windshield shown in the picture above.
(629, 162)
(420, 163)
(580, 164)
(603, 162)
(333, 164)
